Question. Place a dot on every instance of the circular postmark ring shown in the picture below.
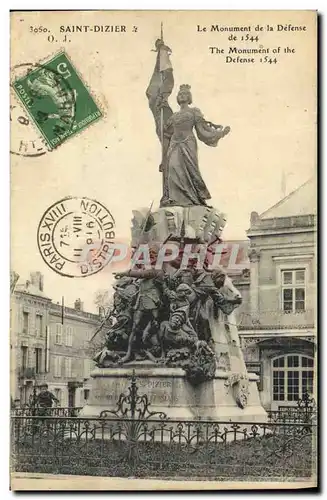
(75, 237)
(24, 138)
(34, 145)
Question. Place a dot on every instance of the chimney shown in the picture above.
(78, 305)
(37, 280)
(254, 218)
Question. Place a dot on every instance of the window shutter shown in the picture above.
(68, 367)
(30, 359)
(69, 336)
(86, 368)
(58, 366)
(76, 368)
(20, 321)
(32, 324)
(55, 366)
(59, 329)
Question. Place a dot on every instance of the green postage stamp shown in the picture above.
(56, 99)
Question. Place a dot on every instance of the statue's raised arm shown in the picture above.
(208, 132)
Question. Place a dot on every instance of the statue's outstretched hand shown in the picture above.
(225, 131)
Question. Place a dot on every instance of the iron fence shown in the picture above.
(56, 411)
(133, 441)
(304, 412)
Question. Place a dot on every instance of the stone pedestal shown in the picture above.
(169, 391)
(232, 395)
(199, 223)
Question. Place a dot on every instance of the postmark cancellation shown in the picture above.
(75, 236)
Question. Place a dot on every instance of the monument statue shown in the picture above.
(182, 181)
(159, 314)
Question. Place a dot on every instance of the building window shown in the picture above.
(293, 290)
(68, 367)
(38, 360)
(86, 394)
(58, 333)
(57, 366)
(25, 322)
(86, 368)
(69, 336)
(292, 377)
(58, 395)
(24, 357)
(39, 324)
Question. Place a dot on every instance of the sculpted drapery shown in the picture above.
(183, 184)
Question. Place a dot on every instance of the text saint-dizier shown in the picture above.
(95, 28)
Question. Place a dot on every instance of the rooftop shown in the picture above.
(301, 201)
(34, 287)
(31, 290)
(296, 211)
(71, 311)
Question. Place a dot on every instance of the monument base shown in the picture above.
(169, 391)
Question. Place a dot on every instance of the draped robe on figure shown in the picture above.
(183, 184)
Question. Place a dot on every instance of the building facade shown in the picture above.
(278, 320)
(49, 344)
(29, 319)
(70, 365)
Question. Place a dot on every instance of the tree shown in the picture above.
(104, 301)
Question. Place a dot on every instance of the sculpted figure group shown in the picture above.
(164, 317)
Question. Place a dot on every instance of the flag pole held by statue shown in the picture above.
(159, 89)
(162, 118)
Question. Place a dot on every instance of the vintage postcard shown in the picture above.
(163, 250)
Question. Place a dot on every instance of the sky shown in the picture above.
(271, 110)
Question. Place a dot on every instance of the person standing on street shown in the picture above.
(44, 400)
